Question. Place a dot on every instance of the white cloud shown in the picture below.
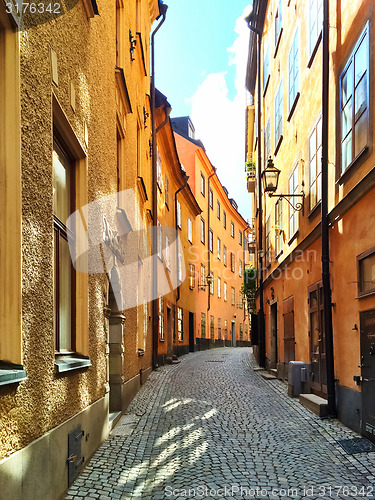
(220, 121)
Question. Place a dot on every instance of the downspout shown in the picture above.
(326, 279)
(176, 227)
(155, 318)
(261, 325)
(208, 239)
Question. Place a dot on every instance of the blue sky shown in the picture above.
(191, 44)
(200, 65)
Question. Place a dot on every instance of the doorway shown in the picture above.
(317, 340)
(367, 325)
(289, 339)
(274, 340)
(191, 332)
(233, 334)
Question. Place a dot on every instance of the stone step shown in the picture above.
(273, 371)
(315, 404)
(268, 376)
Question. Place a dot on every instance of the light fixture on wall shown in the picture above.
(270, 178)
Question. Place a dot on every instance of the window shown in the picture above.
(190, 231)
(158, 169)
(191, 276)
(293, 214)
(354, 101)
(64, 297)
(211, 240)
(203, 277)
(366, 272)
(268, 248)
(203, 325)
(316, 22)
(160, 242)
(240, 237)
(224, 220)
(240, 300)
(240, 268)
(180, 324)
(219, 328)
(166, 190)
(279, 114)
(167, 253)
(232, 265)
(203, 231)
(203, 184)
(226, 329)
(161, 318)
(315, 145)
(219, 288)
(266, 69)
(218, 249)
(232, 229)
(218, 210)
(233, 296)
(178, 204)
(267, 142)
(180, 268)
(225, 292)
(293, 72)
(279, 227)
(212, 283)
(241, 331)
(278, 24)
(211, 198)
(225, 255)
(212, 327)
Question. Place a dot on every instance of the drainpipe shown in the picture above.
(326, 279)
(208, 239)
(176, 226)
(261, 325)
(155, 318)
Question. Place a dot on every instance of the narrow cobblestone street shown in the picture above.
(212, 425)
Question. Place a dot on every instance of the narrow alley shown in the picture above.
(212, 427)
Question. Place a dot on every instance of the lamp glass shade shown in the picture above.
(270, 177)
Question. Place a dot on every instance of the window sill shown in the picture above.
(278, 145)
(293, 107)
(357, 159)
(161, 340)
(266, 85)
(294, 237)
(141, 352)
(279, 255)
(278, 43)
(68, 363)
(314, 211)
(364, 295)
(11, 373)
(315, 50)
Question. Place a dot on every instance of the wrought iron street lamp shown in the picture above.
(270, 178)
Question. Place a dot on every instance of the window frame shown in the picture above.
(233, 296)
(224, 219)
(211, 198)
(61, 231)
(363, 37)
(190, 230)
(225, 291)
(278, 117)
(178, 214)
(203, 185)
(211, 240)
(203, 325)
(317, 180)
(203, 231)
(279, 23)
(180, 324)
(232, 229)
(293, 90)
(191, 276)
(218, 245)
(360, 258)
(218, 214)
(225, 256)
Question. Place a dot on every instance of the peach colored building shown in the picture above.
(217, 248)
(291, 133)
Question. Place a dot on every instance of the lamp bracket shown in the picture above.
(298, 206)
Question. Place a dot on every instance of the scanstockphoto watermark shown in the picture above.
(116, 241)
(230, 491)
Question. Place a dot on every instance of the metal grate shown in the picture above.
(356, 445)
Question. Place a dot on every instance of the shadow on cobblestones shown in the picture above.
(211, 427)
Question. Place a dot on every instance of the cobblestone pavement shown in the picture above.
(212, 425)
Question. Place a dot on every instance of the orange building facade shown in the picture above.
(291, 133)
(216, 250)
